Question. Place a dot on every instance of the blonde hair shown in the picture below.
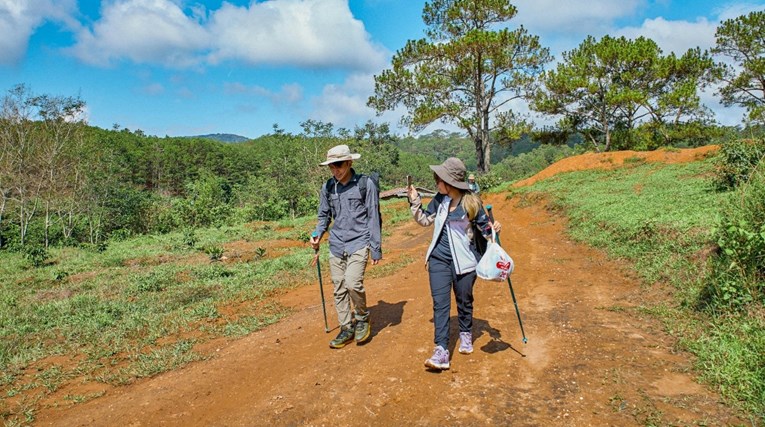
(471, 202)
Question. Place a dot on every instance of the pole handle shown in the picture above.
(491, 217)
(315, 235)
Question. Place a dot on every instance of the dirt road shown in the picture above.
(591, 358)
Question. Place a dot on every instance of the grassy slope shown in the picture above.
(143, 305)
(660, 217)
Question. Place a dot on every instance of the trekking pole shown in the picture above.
(321, 286)
(509, 283)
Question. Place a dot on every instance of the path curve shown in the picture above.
(591, 359)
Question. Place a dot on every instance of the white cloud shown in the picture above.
(572, 17)
(734, 10)
(674, 36)
(289, 95)
(153, 89)
(300, 33)
(143, 31)
(20, 18)
(344, 105)
(303, 33)
(726, 116)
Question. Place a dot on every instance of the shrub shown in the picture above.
(737, 160)
(528, 164)
(739, 267)
(36, 254)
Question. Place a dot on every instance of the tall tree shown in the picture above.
(743, 40)
(617, 83)
(18, 134)
(60, 156)
(465, 71)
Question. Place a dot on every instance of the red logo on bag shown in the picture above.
(503, 265)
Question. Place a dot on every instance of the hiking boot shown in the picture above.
(439, 361)
(362, 331)
(466, 343)
(344, 337)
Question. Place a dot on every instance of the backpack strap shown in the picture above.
(363, 184)
(328, 185)
(327, 189)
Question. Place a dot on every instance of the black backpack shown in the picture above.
(479, 241)
(375, 177)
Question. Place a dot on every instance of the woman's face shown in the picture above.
(440, 184)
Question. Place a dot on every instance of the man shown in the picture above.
(353, 236)
(472, 185)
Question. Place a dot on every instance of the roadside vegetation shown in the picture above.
(120, 252)
(699, 229)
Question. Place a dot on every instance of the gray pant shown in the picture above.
(348, 279)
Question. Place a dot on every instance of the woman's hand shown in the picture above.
(411, 193)
(497, 227)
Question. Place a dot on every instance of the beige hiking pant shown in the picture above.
(348, 279)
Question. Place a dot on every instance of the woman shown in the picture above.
(451, 257)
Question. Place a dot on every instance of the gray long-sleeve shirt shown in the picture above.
(356, 217)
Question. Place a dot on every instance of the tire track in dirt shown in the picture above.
(591, 360)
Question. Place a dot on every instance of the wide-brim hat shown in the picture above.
(338, 154)
(452, 171)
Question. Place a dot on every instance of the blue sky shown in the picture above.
(190, 67)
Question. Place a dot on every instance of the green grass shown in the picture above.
(142, 305)
(127, 311)
(660, 218)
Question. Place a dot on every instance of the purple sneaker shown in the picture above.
(466, 343)
(439, 361)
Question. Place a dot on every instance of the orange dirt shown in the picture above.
(591, 359)
(619, 158)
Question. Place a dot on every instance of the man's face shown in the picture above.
(340, 169)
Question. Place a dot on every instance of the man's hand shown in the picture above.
(375, 261)
(314, 241)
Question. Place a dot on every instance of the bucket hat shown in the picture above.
(339, 153)
(452, 171)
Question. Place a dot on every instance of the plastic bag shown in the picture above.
(495, 264)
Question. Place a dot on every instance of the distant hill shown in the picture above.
(223, 137)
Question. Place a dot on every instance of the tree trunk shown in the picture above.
(479, 154)
(486, 139)
(47, 224)
(2, 212)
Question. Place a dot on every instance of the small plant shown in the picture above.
(60, 275)
(36, 254)
(150, 283)
(634, 160)
(260, 252)
(121, 234)
(215, 252)
(303, 236)
(189, 237)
